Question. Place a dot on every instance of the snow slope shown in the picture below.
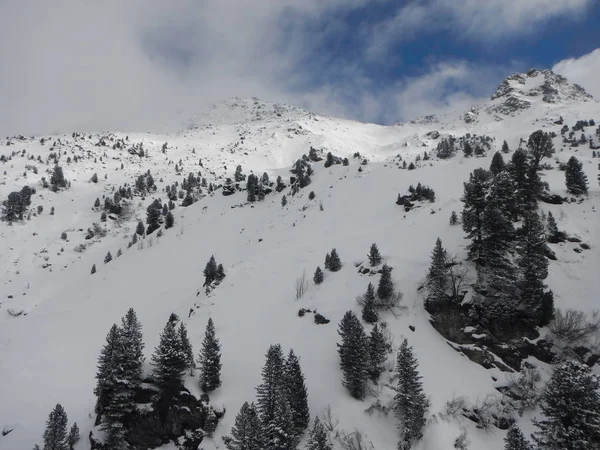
(48, 353)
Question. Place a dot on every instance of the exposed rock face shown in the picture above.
(544, 84)
(157, 421)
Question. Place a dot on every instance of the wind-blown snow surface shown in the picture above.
(48, 354)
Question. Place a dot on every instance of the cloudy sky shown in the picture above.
(133, 65)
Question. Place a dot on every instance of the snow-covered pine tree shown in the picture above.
(385, 288)
(279, 432)
(318, 439)
(108, 258)
(55, 435)
(515, 440)
(377, 353)
(410, 401)
(153, 216)
(210, 271)
(335, 263)
(571, 407)
(369, 313)
(187, 348)
(438, 276)
(73, 436)
(575, 178)
(354, 355)
(105, 365)
(474, 199)
(210, 359)
(533, 265)
(246, 433)
(328, 261)
(169, 359)
(374, 256)
(318, 276)
(169, 220)
(497, 164)
(552, 227)
(519, 172)
(268, 393)
(297, 395)
(453, 218)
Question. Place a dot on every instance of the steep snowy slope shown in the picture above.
(48, 353)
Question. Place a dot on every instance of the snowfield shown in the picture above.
(54, 315)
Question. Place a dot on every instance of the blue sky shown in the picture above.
(132, 65)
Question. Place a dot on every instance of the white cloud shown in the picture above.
(584, 71)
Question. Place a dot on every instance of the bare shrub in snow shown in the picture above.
(328, 419)
(354, 441)
(572, 327)
(301, 285)
(462, 442)
(525, 387)
(453, 409)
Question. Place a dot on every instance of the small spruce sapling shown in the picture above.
(318, 276)
(374, 256)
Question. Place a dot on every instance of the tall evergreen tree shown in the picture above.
(497, 164)
(105, 366)
(377, 353)
(474, 199)
(169, 220)
(210, 359)
(318, 437)
(533, 265)
(169, 359)
(515, 440)
(280, 432)
(57, 180)
(374, 256)
(410, 401)
(252, 187)
(55, 435)
(273, 375)
(505, 148)
(354, 355)
(369, 313)
(385, 288)
(318, 276)
(571, 407)
(453, 218)
(328, 261)
(246, 433)
(519, 172)
(187, 348)
(335, 263)
(73, 436)
(153, 216)
(438, 277)
(210, 271)
(553, 233)
(296, 393)
(575, 177)
(239, 175)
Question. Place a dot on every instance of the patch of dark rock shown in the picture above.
(550, 254)
(552, 199)
(411, 328)
(321, 320)
(577, 250)
(573, 239)
(585, 246)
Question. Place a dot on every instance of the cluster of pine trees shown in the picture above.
(213, 271)
(56, 436)
(511, 261)
(120, 370)
(281, 414)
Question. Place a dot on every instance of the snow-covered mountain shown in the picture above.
(55, 315)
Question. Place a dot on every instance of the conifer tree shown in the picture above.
(272, 375)
(97, 203)
(108, 258)
(497, 164)
(519, 172)
(505, 148)
(318, 437)
(328, 261)
(280, 186)
(57, 180)
(93, 269)
(335, 262)
(575, 177)
(55, 435)
(377, 353)
(169, 220)
(169, 359)
(438, 276)
(187, 348)
(283, 201)
(105, 365)
(279, 432)
(533, 265)
(474, 199)
(369, 312)
(220, 272)
(153, 216)
(246, 433)
(385, 288)
(570, 404)
(73, 437)
(354, 355)
(210, 359)
(553, 233)
(318, 276)
(210, 271)
(374, 256)
(131, 337)
(515, 440)
(297, 396)
(252, 187)
(410, 401)
(239, 175)
(453, 218)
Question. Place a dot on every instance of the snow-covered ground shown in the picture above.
(48, 353)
